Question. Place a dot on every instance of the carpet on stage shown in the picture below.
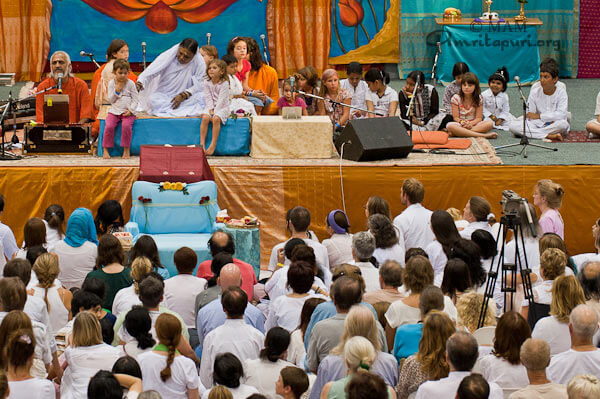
(589, 39)
(578, 136)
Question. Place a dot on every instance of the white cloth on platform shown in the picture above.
(235, 89)
(217, 100)
(553, 110)
(498, 106)
(165, 78)
(415, 225)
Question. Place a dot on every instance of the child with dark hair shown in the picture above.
(308, 82)
(239, 101)
(138, 324)
(109, 218)
(54, 217)
(496, 107)
(426, 108)
(548, 103)
(229, 372)
(97, 286)
(356, 87)
(380, 97)
(459, 69)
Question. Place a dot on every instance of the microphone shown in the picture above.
(208, 35)
(144, 54)
(439, 47)
(262, 38)
(84, 54)
(60, 78)
(518, 80)
(292, 82)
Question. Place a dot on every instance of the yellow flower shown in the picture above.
(178, 186)
(167, 186)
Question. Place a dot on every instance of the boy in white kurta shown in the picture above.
(593, 126)
(357, 88)
(547, 106)
(495, 101)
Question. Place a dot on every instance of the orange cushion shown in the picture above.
(429, 137)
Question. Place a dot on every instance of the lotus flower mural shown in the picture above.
(351, 14)
(161, 16)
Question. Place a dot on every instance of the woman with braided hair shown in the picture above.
(164, 369)
(57, 298)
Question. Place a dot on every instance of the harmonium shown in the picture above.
(54, 138)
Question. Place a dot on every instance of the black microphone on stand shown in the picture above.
(59, 85)
(144, 54)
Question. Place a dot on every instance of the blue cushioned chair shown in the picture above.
(174, 219)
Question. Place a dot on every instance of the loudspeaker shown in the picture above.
(374, 139)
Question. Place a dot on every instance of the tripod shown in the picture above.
(508, 277)
(524, 140)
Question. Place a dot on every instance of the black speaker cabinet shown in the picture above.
(374, 139)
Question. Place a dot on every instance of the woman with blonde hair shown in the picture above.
(429, 363)
(468, 308)
(552, 240)
(86, 355)
(360, 322)
(554, 329)
(164, 369)
(57, 298)
(547, 196)
(220, 392)
(127, 297)
(331, 90)
(359, 356)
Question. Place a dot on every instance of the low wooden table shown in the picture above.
(275, 137)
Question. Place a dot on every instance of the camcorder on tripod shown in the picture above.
(516, 215)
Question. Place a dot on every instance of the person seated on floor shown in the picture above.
(426, 109)
(308, 82)
(535, 356)
(80, 102)
(357, 88)
(263, 80)
(298, 223)
(593, 126)
(331, 90)
(238, 100)
(380, 97)
(496, 106)
(290, 98)
(548, 105)
(172, 85)
(363, 247)
(458, 70)
(390, 280)
(467, 111)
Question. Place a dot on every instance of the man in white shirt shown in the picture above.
(461, 354)
(235, 336)
(583, 357)
(363, 246)
(415, 221)
(297, 223)
(535, 356)
(6, 235)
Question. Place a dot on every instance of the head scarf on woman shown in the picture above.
(80, 228)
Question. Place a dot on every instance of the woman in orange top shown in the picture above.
(117, 49)
(262, 79)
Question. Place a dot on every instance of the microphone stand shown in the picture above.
(524, 140)
(262, 38)
(335, 103)
(93, 60)
(411, 111)
(4, 156)
(435, 62)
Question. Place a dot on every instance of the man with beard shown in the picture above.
(80, 102)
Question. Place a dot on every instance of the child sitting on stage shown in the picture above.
(123, 97)
(426, 104)
(380, 97)
(467, 111)
(460, 68)
(239, 102)
(357, 88)
(331, 90)
(216, 92)
(290, 99)
(308, 81)
(593, 126)
(495, 101)
(209, 53)
(547, 106)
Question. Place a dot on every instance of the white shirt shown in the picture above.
(234, 336)
(52, 235)
(132, 349)
(370, 275)
(32, 388)
(296, 353)
(400, 313)
(59, 315)
(438, 260)
(542, 293)
(395, 252)
(285, 312)
(466, 233)
(382, 104)
(125, 100)
(277, 286)
(532, 251)
(551, 108)
(358, 93)
(500, 371)
(125, 299)
(582, 259)
(496, 105)
(82, 363)
(555, 333)
(183, 375)
(415, 224)
(241, 392)
(320, 254)
(339, 249)
(263, 374)
(75, 263)
(180, 296)
(446, 388)
(8, 241)
(570, 363)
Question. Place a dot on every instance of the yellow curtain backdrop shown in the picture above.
(24, 37)
(296, 39)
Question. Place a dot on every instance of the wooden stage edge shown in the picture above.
(268, 191)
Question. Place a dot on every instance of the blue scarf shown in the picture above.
(80, 228)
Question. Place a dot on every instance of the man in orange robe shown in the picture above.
(80, 102)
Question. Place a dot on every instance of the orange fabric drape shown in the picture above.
(24, 37)
(295, 29)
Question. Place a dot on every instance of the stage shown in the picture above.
(267, 188)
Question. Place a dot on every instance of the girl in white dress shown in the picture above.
(229, 372)
(216, 111)
(238, 100)
(57, 298)
(496, 107)
(54, 219)
(20, 353)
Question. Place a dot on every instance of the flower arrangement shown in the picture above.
(240, 113)
(177, 186)
(204, 200)
(144, 200)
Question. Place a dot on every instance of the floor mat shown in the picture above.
(578, 136)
